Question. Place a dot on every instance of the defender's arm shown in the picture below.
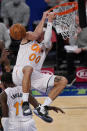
(4, 106)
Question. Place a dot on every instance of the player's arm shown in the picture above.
(4, 59)
(48, 32)
(39, 29)
(3, 102)
(33, 101)
(35, 104)
(54, 108)
(2, 45)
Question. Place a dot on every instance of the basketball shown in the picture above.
(17, 32)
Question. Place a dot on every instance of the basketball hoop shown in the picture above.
(65, 19)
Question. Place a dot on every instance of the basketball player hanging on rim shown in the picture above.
(27, 71)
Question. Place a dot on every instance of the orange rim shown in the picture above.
(67, 11)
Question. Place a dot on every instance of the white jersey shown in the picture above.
(16, 120)
(30, 54)
(14, 102)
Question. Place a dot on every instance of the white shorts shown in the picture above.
(39, 81)
(28, 125)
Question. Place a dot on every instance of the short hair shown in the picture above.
(6, 77)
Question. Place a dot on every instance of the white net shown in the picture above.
(65, 24)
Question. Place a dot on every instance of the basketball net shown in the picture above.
(65, 24)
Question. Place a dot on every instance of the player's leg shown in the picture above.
(60, 83)
(57, 84)
(26, 85)
(21, 77)
(35, 104)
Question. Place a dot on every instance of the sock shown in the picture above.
(47, 102)
(25, 97)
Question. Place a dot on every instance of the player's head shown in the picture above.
(6, 80)
(17, 31)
